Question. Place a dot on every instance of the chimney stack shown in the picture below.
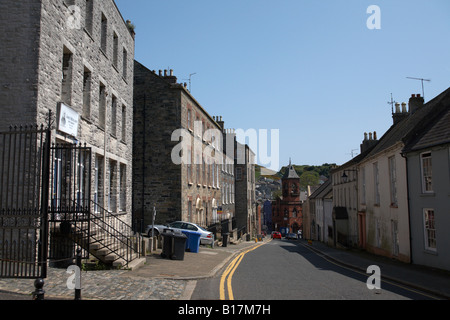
(400, 114)
(367, 143)
(220, 122)
(415, 102)
(169, 77)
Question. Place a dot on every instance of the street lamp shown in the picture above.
(345, 176)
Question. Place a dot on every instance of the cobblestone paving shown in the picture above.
(101, 285)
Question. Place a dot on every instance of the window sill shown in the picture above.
(89, 34)
(86, 119)
(427, 194)
(430, 251)
(104, 53)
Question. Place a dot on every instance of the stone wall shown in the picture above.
(156, 180)
(51, 40)
(161, 107)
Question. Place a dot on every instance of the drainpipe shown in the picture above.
(409, 209)
(143, 159)
(104, 156)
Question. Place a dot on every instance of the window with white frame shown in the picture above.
(376, 179)
(393, 180)
(363, 191)
(426, 168)
(378, 232)
(429, 229)
(123, 188)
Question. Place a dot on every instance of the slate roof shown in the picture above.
(408, 128)
(290, 173)
(435, 131)
(324, 187)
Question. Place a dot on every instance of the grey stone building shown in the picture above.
(245, 189)
(177, 154)
(427, 155)
(75, 59)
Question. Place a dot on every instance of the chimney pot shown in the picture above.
(370, 135)
(171, 72)
(365, 136)
(374, 135)
(397, 107)
(160, 73)
(165, 73)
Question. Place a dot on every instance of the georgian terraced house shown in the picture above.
(393, 197)
(191, 183)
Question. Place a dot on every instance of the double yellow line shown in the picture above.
(228, 274)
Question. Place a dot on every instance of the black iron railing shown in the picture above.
(115, 235)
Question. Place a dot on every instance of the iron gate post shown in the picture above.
(39, 293)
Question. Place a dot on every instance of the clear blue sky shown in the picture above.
(311, 69)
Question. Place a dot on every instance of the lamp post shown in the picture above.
(345, 176)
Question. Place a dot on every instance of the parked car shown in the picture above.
(291, 236)
(158, 229)
(206, 236)
(276, 235)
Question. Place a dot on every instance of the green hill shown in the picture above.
(310, 175)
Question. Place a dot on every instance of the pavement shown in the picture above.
(165, 279)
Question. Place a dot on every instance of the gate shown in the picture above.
(70, 202)
(24, 187)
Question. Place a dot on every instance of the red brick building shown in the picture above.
(287, 209)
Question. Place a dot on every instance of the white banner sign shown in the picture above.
(68, 120)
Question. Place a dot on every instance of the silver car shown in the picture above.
(158, 229)
(206, 237)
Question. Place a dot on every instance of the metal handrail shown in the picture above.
(118, 233)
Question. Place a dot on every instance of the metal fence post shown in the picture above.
(39, 293)
(78, 289)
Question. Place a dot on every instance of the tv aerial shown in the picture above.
(190, 77)
(422, 80)
(392, 103)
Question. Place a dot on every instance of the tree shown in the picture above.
(309, 178)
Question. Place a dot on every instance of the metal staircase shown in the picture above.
(113, 241)
(99, 233)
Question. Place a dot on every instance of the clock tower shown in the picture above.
(287, 209)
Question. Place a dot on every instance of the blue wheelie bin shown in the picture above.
(193, 240)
